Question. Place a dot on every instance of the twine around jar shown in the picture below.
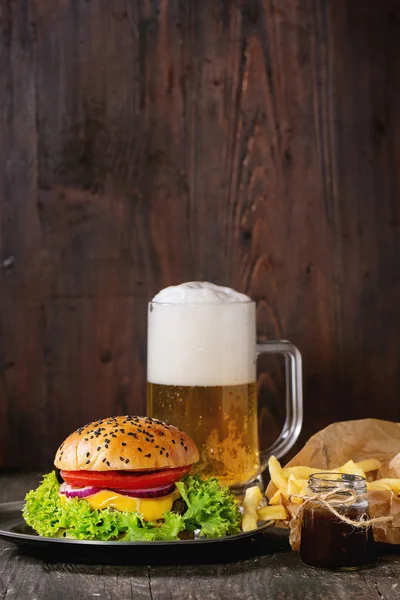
(339, 496)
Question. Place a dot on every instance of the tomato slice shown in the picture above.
(124, 480)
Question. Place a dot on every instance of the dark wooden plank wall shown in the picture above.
(144, 143)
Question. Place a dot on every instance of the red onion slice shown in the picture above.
(155, 492)
(84, 492)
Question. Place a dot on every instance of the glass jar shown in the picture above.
(328, 542)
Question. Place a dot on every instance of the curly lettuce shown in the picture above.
(208, 507)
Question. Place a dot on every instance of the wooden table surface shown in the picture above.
(279, 575)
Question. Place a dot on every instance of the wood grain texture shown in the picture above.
(280, 576)
(248, 142)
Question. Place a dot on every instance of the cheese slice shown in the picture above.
(151, 509)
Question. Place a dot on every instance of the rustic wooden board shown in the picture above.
(251, 143)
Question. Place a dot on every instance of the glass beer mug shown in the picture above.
(201, 372)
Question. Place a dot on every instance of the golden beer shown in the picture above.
(221, 419)
(201, 373)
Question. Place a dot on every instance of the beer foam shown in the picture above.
(201, 334)
(199, 292)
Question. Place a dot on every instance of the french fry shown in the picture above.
(280, 497)
(301, 472)
(251, 502)
(292, 487)
(350, 468)
(378, 485)
(371, 464)
(272, 513)
(276, 473)
(295, 486)
(291, 482)
(394, 484)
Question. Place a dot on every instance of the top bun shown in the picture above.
(126, 444)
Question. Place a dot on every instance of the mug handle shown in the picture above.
(294, 398)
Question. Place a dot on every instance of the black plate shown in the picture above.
(13, 528)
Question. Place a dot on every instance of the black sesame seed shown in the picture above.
(167, 454)
(104, 460)
(161, 452)
(87, 454)
(86, 439)
(127, 460)
(122, 430)
(139, 449)
(107, 441)
(147, 455)
(121, 458)
(186, 448)
(87, 462)
(147, 439)
(123, 443)
(182, 444)
(173, 441)
(91, 437)
(156, 446)
(108, 464)
(106, 446)
(98, 448)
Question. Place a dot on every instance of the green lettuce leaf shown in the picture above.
(209, 508)
(51, 516)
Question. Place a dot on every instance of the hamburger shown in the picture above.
(128, 478)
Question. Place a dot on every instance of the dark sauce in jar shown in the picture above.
(326, 541)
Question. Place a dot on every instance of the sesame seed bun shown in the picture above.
(126, 444)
